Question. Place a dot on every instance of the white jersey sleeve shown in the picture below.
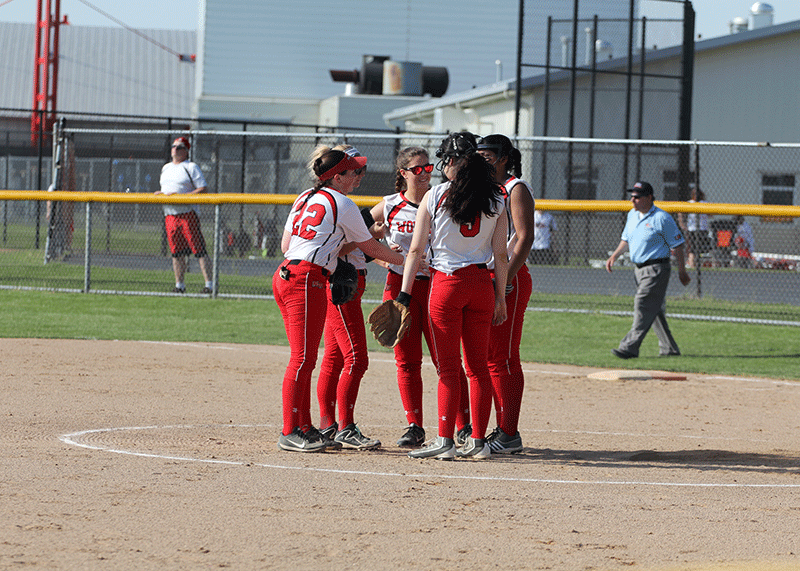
(455, 245)
(319, 223)
(400, 216)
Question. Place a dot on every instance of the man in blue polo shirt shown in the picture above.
(651, 234)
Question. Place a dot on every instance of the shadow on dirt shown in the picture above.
(690, 459)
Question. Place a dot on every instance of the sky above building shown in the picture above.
(713, 17)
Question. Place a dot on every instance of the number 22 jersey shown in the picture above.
(320, 223)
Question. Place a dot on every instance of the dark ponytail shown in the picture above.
(474, 191)
(515, 163)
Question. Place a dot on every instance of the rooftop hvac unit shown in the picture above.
(604, 49)
(762, 14)
(738, 24)
(379, 75)
(402, 78)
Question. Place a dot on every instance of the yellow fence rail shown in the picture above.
(762, 210)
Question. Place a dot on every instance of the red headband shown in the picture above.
(348, 163)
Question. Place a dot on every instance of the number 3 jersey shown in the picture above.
(455, 245)
(320, 223)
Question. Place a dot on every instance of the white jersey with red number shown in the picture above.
(320, 223)
(454, 245)
(400, 215)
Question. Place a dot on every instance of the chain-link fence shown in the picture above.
(45, 245)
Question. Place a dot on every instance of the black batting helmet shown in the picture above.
(456, 146)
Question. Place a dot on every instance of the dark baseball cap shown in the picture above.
(642, 189)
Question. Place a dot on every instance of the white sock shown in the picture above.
(210, 285)
(180, 285)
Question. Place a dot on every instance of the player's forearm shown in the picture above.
(347, 248)
(501, 271)
(623, 245)
(410, 269)
(380, 251)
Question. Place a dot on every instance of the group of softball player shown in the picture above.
(455, 258)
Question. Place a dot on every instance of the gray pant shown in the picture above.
(648, 310)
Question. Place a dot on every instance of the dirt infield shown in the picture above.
(135, 455)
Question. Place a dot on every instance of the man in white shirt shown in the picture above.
(544, 227)
(181, 176)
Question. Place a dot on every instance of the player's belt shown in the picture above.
(653, 262)
(419, 276)
(285, 268)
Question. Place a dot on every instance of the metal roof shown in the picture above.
(103, 70)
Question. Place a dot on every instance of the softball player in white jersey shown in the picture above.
(396, 216)
(463, 221)
(504, 360)
(321, 220)
(346, 359)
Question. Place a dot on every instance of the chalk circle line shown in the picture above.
(76, 439)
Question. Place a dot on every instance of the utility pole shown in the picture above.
(685, 119)
(45, 70)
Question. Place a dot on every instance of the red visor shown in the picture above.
(348, 163)
(182, 141)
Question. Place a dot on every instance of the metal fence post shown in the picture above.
(698, 261)
(87, 253)
(215, 252)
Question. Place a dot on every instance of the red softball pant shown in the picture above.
(303, 301)
(344, 361)
(408, 353)
(460, 310)
(504, 363)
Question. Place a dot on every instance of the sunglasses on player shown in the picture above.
(419, 168)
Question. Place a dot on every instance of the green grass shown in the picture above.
(51, 315)
(707, 347)
(26, 268)
(568, 338)
(706, 305)
(144, 239)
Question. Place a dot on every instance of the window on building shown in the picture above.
(670, 180)
(778, 189)
(584, 186)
